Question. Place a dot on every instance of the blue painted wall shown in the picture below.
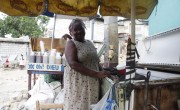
(165, 17)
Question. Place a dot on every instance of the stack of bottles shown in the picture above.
(52, 57)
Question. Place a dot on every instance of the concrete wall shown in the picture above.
(10, 48)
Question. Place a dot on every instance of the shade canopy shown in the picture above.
(22, 7)
(85, 8)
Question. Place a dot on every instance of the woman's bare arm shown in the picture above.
(71, 56)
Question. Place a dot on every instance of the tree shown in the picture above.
(2, 28)
(22, 26)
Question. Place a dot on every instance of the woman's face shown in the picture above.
(78, 32)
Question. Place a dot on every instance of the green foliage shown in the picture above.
(2, 28)
(22, 26)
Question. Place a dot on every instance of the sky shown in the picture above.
(2, 15)
(50, 25)
(61, 27)
(62, 24)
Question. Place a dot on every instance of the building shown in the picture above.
(161, 47)
(12, 48)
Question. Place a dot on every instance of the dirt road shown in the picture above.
(13, 89)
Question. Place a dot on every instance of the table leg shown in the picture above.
(61, 80)
(34, 79)
(29, 83)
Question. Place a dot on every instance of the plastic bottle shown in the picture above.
(45, 58)
(32, 58)
(52, 57)
(39, 58)
(58, 58)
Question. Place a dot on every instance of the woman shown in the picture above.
(82, 73)
(66, 37)
(21, 63)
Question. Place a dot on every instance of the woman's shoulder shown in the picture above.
(89, 41)
(70, 43)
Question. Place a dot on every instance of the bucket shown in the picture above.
(121, 69)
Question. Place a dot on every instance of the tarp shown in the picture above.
(123, 8)
(74, 7)
(85, 8)
(22, 7)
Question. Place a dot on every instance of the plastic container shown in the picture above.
(121, 69)
(58, 58)
(39, 58)
(52, 57)
(32, 58)
(45, 58)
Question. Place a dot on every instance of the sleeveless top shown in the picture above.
(81, 90)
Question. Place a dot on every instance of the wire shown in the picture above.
(147, 49)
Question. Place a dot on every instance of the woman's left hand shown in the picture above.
(103, 74)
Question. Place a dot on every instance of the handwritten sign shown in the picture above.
(44, 67)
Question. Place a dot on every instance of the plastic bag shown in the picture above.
(42, 92)
(108, 101)
(56, 87)
(59, 99)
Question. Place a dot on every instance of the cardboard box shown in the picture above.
(58, 44)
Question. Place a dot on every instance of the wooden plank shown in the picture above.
(48, 106)
(40, 106)
(167, 100)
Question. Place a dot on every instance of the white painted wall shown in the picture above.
(161, 49)
(61, 28)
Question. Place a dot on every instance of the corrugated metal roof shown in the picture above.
(163, 33)
(15, 40)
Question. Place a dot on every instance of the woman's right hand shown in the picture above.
(103, 74)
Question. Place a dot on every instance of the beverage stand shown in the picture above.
(45, 62)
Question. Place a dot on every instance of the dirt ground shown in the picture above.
(13, 88)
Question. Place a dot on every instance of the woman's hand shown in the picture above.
(103, 74)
